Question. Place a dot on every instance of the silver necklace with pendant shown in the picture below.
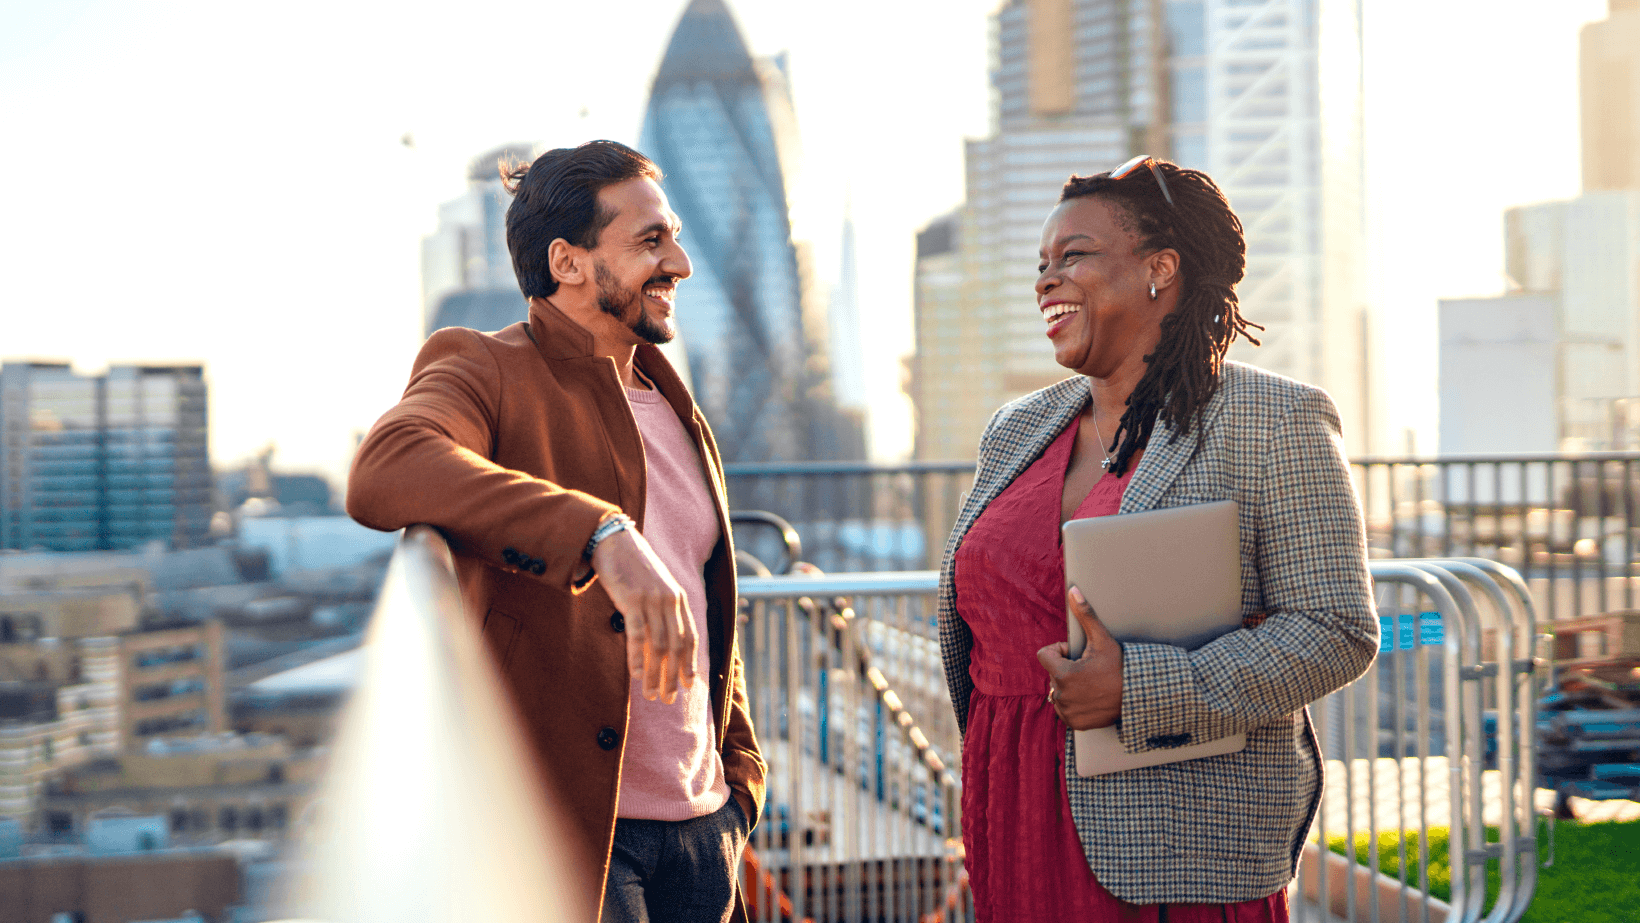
(1105, 465)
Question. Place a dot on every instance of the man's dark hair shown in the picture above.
(557, 196)
(1183, 373)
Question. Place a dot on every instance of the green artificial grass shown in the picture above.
(1595, 878)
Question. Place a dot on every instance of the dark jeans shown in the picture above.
(675, 871)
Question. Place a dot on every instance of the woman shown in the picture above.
(1137, 287)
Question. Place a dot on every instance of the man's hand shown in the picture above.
(1085, 692)
(660, 631)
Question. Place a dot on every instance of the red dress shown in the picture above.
(1024, 859)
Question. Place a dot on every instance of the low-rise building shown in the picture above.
(206, 789)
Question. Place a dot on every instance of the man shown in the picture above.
(583, 496)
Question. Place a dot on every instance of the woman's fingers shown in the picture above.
(1099, 640)
(1055, 659)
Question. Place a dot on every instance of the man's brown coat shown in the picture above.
(514, 445)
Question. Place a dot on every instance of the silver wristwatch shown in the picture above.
(617, 522)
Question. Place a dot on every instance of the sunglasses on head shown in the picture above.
(1147, 161)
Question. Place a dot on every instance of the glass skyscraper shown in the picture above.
(103, 462)
(1264, 95)
(720, 126)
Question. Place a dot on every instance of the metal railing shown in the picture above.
(430, 812)
(1408, 746)
(852, 833)
(1569, 523)
(864, 812)
(855, 516)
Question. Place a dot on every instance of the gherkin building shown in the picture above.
(720, 126)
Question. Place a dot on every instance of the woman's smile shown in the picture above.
(1058, 315)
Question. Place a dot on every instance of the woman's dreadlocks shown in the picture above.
(1183, 372)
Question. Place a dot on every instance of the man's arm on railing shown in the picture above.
(427, 460)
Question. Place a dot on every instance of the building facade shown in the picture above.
(1236, 88)
(81, 678)
(1575, 265)
(752, 318)
(103, 462)
(1609, 74)
(467, 276)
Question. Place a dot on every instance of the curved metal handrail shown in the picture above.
(1513, 603)
(1437, 591)
(430, 809)
(788, 535)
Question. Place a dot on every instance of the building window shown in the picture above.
(1187, 28)
(169, 723)
(1190, 94)
(1190, 150)
(179, 821)
(228, 819)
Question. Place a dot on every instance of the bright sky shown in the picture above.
(225, 183)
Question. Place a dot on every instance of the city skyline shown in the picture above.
(267, 222)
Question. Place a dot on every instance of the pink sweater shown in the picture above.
(671, 769)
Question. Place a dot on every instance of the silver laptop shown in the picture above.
(1170, 576)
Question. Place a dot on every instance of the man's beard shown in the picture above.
(616, 303)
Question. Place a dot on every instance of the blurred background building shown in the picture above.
(1554, 365)
(97, 462)
(466, 272)
(752, 317)
(1264, 96)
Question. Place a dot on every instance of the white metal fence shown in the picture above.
(428, 811)
(1436, 740)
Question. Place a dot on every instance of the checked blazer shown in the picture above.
(1227, 828)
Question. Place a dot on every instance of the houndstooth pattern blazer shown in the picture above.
(1226, 828)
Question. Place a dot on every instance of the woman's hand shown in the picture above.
(1086, 692)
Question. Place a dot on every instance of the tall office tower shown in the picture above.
(466, 273)
(848, 371)
(1551, 366)
(1610, 84)
(1262, 94)
(1575, 265)
(721, 126)
(105, 462)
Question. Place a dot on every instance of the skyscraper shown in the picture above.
(1575, 266)
(720, 125)
(848, 373)
(1610, 89)
(466, 272)
(1239, 88)
(103, 462)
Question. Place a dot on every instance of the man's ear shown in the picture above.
(566, 261)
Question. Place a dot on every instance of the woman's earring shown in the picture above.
(1152, 291)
